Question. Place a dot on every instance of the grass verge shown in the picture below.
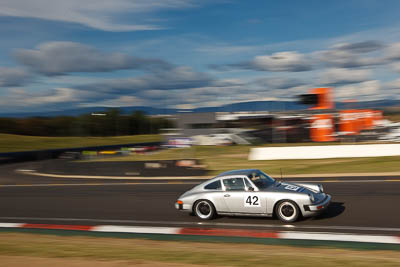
(15, 143)
(223, 158)
(184, 252)
(216, 158)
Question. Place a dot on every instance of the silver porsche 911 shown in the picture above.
(253, 193)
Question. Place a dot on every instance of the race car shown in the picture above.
(251, 192)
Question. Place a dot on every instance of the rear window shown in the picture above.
(214, 185)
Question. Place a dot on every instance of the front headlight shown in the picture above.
(312, 199)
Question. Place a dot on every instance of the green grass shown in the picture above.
(223, 158)
(14, 143)
(216, 158)
(185, 252)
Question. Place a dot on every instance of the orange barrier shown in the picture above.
(353, 121)
(325, 98)
(322, 128)
(348, 122)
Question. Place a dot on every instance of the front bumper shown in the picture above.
(183, 207)
(310, 210)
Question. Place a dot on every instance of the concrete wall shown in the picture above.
(187, 123)
(324, 152)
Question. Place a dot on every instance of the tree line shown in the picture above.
(109, 123)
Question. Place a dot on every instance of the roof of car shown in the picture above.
(238, 172)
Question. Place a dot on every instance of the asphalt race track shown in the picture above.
(360, 205)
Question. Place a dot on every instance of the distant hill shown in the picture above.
(236, 107)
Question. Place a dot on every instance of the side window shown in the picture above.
(214, 185)
(247, 183)
(234, 184)
(256, 179)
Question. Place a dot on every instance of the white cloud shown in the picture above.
(60, 95)
(225, 49)
(20, 99)
(392, 89)
(342, 76)
(368, 90)
(13, 77)
(393, 84)
(348, 58)
(99, 14)
(395, 66)
(185, 106)
(279, 83)
(58, 58)
(281, 61)
(393, 51)
(157, 86)
(168, 85)
(120, 101)
(359, 47)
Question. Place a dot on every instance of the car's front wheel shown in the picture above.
(287, 211)
(204, 209)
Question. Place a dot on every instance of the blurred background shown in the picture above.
(91, 79)
(110, 110)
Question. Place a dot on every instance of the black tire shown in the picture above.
(204, 209)
(287, 211)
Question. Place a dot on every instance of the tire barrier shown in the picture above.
(73, 153)
(154, 168)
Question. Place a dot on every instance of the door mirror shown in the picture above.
(251, 189)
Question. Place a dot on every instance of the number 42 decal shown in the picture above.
(252, 201)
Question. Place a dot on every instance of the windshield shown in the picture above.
(261, 180)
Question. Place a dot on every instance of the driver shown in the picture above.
(255, 178)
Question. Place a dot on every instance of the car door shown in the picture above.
(239, 199)
(216, 195)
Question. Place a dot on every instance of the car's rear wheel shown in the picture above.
(204, 209)
(287, 211)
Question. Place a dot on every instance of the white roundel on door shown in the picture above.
(252, 200)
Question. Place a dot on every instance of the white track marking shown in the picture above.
(136, 229)
(11, 225)
(144, 222)
(340, 237)
(319, 236)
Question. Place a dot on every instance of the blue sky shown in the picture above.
(183, 54)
